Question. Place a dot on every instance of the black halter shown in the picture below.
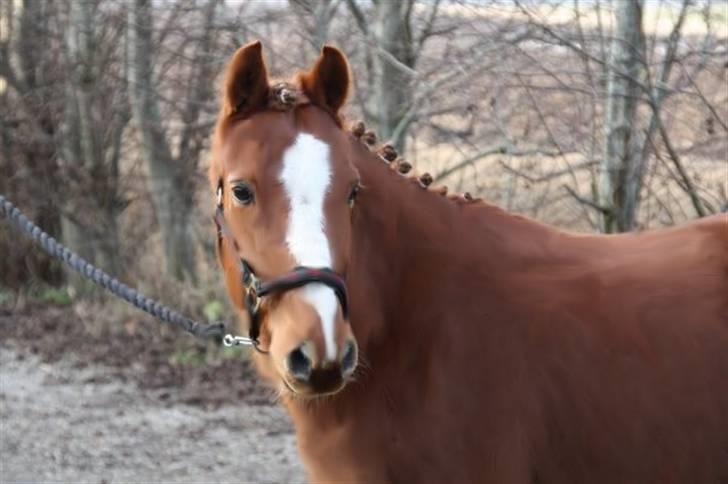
(255, 289)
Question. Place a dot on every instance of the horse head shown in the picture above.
(286, 188)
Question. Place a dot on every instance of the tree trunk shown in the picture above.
(316, 15)
(171, 188)
(91, 226)
(620, 183)
(33, 160)
(80, 243)
(393, 86)
(323, 12)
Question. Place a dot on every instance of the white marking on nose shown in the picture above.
(306, 176)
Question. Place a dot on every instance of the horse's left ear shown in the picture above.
(246, 80)
(327, 83)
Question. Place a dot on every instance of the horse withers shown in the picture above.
(416, 336)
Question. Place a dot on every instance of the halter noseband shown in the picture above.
(255, 289)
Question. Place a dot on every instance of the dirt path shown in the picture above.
(64, 422)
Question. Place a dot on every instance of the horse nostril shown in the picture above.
(299, 364)
(348, 358)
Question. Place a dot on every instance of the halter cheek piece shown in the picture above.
(255, 289)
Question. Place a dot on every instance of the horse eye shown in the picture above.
(352, 194)
(243, 194)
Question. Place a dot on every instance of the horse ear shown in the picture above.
(327, 83)
(246, 80)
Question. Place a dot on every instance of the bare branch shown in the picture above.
(686, 181)
(549, 176)
(427, 30)
(358, 16)
(705, 102)
(501, 149)
(586, 201)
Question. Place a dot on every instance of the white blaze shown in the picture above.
(306, 176)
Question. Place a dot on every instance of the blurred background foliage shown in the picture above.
(593, 115)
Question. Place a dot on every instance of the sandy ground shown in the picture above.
(63, 423)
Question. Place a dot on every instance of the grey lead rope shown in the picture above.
(134, 297)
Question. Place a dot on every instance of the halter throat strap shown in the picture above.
(255, 289)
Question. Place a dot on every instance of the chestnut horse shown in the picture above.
(431, 338)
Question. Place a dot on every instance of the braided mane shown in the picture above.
(387, 153)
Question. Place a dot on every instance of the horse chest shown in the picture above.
(396, 440)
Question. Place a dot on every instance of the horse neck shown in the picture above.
(387, 225)
(413, 248)
(402, 243)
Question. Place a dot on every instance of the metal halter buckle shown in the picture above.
(230, 340)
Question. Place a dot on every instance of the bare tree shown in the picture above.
(95, 115)
(317, 15)
(172, 178)
(621, 166)
(393, 46)
(27, 126)
(61, 74)
(628, 128)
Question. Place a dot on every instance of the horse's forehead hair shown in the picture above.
(256, 143)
